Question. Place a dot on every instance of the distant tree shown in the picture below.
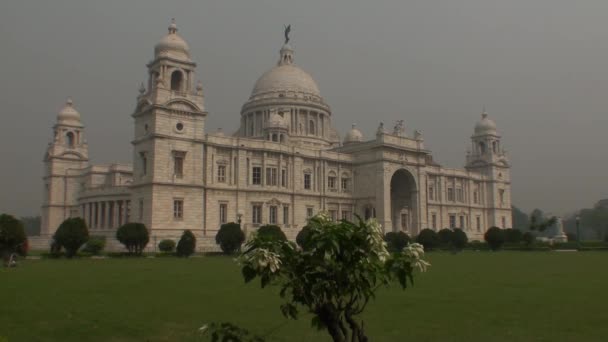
(513, 235)
(166, 246)
(528, 238)
(495, 238)
(303, 237)
(445, 237)
(539, 223)
(521, 220)
(459, 239)
(396, 241)
(71, 235)
(428, 238)
(12, 235)
(31, 225)
(134, 236)
(270, 231)
(186, 245)
(230, 237)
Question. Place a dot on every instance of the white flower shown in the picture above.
(203, 328)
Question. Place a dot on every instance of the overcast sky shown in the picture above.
(539, 66)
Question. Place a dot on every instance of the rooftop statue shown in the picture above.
(287, 30)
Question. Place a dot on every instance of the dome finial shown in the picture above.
(484, 114)
(172, 26)
(69, 101)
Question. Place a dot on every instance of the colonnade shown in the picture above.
(106, 214)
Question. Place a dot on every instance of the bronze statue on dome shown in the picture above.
(287, 30)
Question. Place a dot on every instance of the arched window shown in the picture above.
(275, 137)
(70, 139)
(176, 80)
(311, 127)
(482, 147)
(495, 146)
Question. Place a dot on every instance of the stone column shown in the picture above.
(96, 219)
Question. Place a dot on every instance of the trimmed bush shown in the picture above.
(134, 236)
(271, 232)
(230, 237)
(186, 244)
(459, 239)
(166, 246)
(495, 238)
(528, 238)
(396, 241)
(513, 235)
(71, 235)
(445, 237)
(95, 245)
(303, 237)
(12, 236)
(428, 238)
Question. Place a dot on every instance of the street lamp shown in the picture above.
(578, 231)
(239, 216)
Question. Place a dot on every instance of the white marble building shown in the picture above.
(283, 164)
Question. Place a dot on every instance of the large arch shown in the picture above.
(404, 202)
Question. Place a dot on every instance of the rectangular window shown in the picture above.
(272, 217)
(478, 223)
(178, 209)
(309, 212)
(452, 221)
(404, 222)
(307, 184)
(333, 214)
(450, 194)
(501, 193)
(431, 193)
(331, 182)
(256, 175)
(257, 214)
(344, 184)
(144, 163)
(285, 215)
(434, 221)
(271, 176)
(461, 222)
(475, 197)
(221, 173)
(128, 212)
(141, 210)
(346, 215)
(178, 164)
(223, 213)
(284, 178)
(459, 195)
(504, 222)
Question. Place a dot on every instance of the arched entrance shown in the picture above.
(404, 202)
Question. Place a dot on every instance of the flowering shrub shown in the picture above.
(335, 276)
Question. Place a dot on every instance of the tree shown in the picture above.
(12, 236)
(31, 225)
(459, 239)
(166, 245)
(336, 278)
(186, 244)
(134, 236)
(95, 245)
(520, 219)
(272, 232)
(528, 238)
(513, 235)
(71, 235)
(396, 241)
(428, 238)
(230, 237)
(495, 238)
(303, 237)
(539, 223)
(445, 237)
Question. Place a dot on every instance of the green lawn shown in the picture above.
(473, 296)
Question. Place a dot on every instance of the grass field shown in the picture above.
(472, 296)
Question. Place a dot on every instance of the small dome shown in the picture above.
(485, 125)
(68, 114)
(276, 121)
(353, 136)
(172, 45)
(286, 77)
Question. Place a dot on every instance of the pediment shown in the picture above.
(183, 105)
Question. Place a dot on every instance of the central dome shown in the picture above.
(285, 77)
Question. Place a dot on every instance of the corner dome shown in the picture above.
(285, 77)
(172, 45)
(68, 114)
(485, 125)
(353, 136)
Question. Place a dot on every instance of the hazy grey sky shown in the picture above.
(539, 66)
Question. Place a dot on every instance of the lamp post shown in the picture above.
(578, 231)
(239, 216)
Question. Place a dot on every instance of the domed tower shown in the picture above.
(167, 144)
(292, 94)
(353, 136)
(66, 155)
(490, 159)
